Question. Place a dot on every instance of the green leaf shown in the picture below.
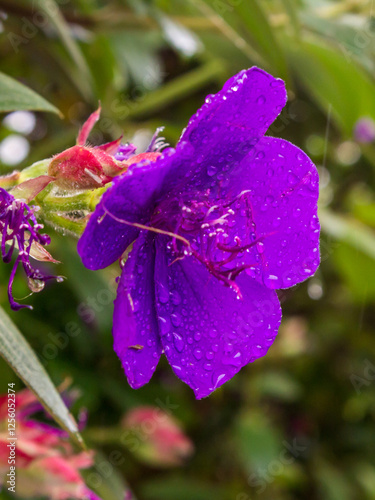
(175, 486)
(334, 81)
(291, 9)
(256, 440)
(111, 486)
(174, 90)
(247, 26)
(277, 385)
(258, 28)
(16, 96)
(358, 271)
(345, 37)
(348, 230)
(53, 13)
(20, 356)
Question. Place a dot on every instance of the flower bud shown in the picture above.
(157, 438)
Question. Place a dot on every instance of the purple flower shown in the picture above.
(364, 130)
(217, 225)
(20, 229)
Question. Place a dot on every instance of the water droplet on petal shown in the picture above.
(216, 378)
(178, 342)
(175, 297)
(163, 293)
(211, 170)
(176, 319)
(292, 178)
(197, 354)
(164, 325)
(271, 281)
(276, 222)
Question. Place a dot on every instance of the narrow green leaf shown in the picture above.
(357, 270)
(174, 90)
(53, 13)
(247, 26)
(345, 37)
(16, 96)
(256, 22)
(225, 25)
(291, 9)
(20, 356)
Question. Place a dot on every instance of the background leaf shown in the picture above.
(18, 353)
(15, 96)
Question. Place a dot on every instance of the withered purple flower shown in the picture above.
(217, 225)
(19, 229)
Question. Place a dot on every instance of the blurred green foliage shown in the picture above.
(298, 424)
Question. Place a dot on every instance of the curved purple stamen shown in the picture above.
(19, 228)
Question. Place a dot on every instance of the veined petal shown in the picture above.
(135, 327)
(282, 189)
(131, 199)
(207, 332)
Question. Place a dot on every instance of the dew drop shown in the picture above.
(260, 247)
(35, 285)
(197, 336)
(292, 178)
(271, 281)
(276, 222)
(178, 342)
(211, 170)
(197, 354)
(276, 83)
(164, 325)
(163, 293)
(176, 319)
(216, 378)
(175, 298)
(296, 212)
(261, 100)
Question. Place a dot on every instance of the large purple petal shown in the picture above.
(131, 198)
(135, 327)
(228, 126)
(281, 187)
(208, 333)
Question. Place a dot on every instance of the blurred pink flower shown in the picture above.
(46, 462)
(156, 437)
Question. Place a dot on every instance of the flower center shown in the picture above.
(213, 228)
